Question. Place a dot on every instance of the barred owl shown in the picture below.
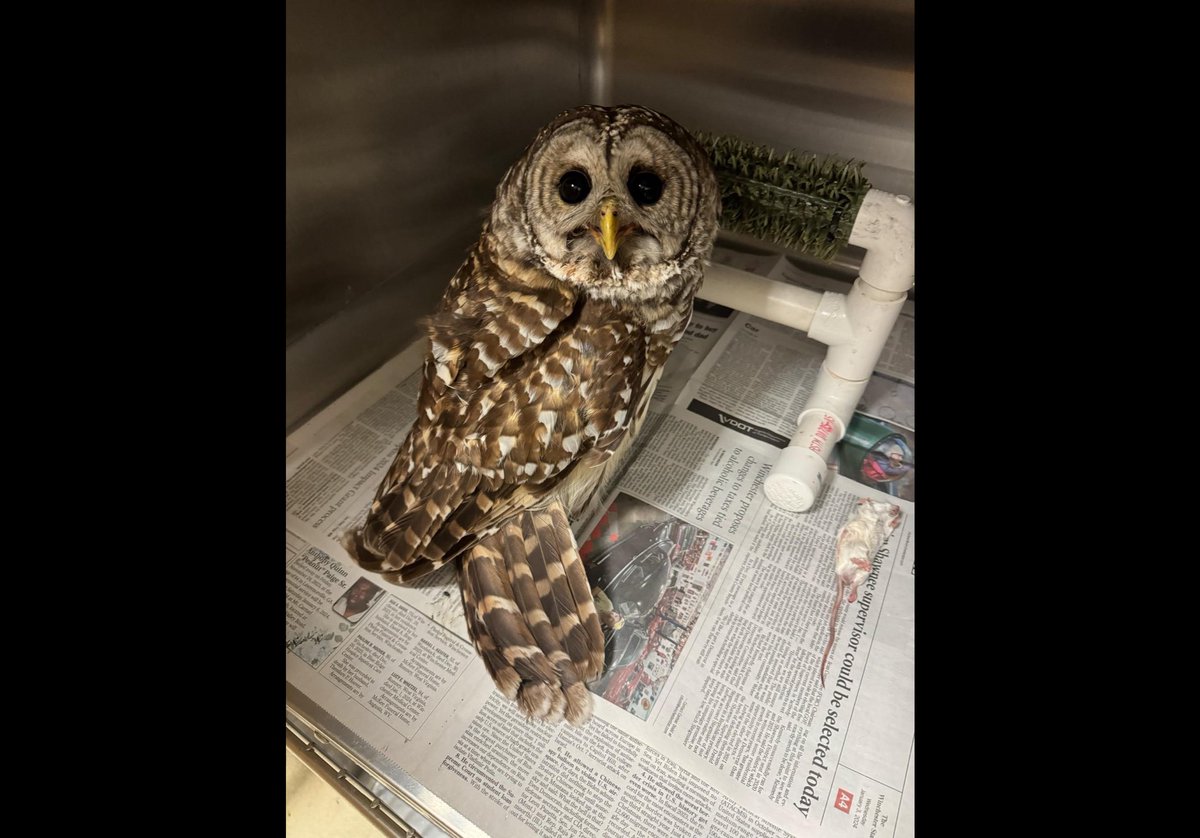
(542, 358)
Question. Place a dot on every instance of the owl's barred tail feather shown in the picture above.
(531, 615)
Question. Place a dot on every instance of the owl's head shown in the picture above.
(618, 202)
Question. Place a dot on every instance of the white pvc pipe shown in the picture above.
(856, 327)
(762, 297)
(885, 228)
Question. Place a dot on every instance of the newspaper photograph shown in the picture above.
(710, 717)
(879, 454)
(650, 573)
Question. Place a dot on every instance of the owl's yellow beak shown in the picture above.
(609, 235)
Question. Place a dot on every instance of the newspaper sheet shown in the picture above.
(710, 719)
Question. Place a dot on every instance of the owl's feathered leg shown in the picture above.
(531, 615)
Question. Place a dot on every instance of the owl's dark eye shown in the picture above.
(645, 187)
(574, 186)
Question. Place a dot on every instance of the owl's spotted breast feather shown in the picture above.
(531, 384)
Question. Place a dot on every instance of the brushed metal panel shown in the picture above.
(828, 76)
(401, 119)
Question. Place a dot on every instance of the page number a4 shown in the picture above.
(843, 800)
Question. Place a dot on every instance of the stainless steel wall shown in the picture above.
(828, 76)
(401, 118)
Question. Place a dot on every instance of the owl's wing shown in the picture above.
(504, 416)
(454, 467)
(531, 616)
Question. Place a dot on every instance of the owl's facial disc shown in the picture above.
(610, 202)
